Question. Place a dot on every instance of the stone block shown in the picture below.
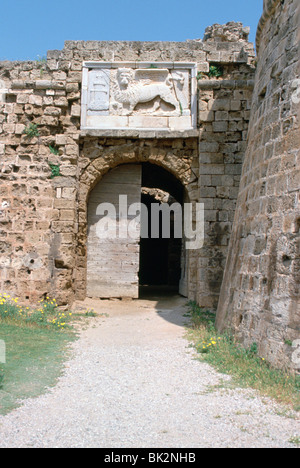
(49, 121)
(209, 147)
(63, 203)
(219, 105)
(203, 67)
(51, 110)
(60, 140)
(19, 129)
(35, 100)
(235, 105)
(206, 116)
(48, 100)
(63, 102)
(212, 169)
(221, 126)
(208, 192)
(72, 87)
(67, 215)
(233, 169)
(68, 193)
(221, 115)
(68, 171)
(75, 110)
(9, 128)
(22, 98)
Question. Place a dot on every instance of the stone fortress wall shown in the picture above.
(49, 165)
(260, 293)
(44, 219)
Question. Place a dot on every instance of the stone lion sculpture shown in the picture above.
(129, 93)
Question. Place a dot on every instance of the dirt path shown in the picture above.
(132, 381)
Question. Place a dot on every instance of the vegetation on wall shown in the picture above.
(215, 71)
(55, 170)
(32, 131)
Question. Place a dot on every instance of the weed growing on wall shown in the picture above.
(53, 150)
(55, 170)
(215, 71)
(32, 131)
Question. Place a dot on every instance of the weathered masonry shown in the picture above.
(71, 127)
(155, 122)
(260, 293)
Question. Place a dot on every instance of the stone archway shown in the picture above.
(180, 158)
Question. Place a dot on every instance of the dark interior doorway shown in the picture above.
(160, 258)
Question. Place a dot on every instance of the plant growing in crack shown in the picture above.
(55, 170)
(54, 150)
(31, 131)
(215, 71)
(41, 63)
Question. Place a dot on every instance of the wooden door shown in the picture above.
(113, 261)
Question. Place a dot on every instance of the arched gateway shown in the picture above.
(89, 114)
(135, 232)
(116, 266)
(98, 106)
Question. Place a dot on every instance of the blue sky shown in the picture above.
(29, 28)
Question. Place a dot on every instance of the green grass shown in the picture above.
(34, 361)
(36, 342)
(247, 369)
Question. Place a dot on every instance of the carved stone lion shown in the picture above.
(128, 93)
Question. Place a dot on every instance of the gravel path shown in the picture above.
(132, 382)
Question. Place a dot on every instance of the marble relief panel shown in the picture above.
(133, 95)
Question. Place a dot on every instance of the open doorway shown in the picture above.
(160, 255)
(125, 265)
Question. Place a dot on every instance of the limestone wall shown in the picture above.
(49, 165)
(260, 292)
(224, 117)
